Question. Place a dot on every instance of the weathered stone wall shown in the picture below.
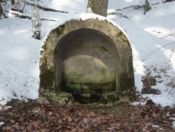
(64, 51)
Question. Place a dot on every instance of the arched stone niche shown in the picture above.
(90, 59)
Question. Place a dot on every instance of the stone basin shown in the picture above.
(89, 62)
(90, 59)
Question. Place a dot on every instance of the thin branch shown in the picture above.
(136, 6)
(24, 16)
(46, 8)
(168, 1)
(157, 50)
(131, 6)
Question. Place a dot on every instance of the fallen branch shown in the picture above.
(136, 6)
(132, 6)
(168, 1)
(46, 8)
(24, 16)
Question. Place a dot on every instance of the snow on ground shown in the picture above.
(153, 42)
(174, 124)
(18, 60)
(152, 38)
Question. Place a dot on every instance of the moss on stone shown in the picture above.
(60, 30)
(54, 97)
(46, 77)
(88, 87)
(108, 98)
(104, 49)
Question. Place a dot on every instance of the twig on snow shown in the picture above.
(46, 8)
(24, 16)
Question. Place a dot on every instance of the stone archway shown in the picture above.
(89, 63)
(89, 59)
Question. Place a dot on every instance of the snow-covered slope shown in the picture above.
(153, 42)
(152, 38)
(18, 60)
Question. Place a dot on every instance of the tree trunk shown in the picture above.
(98, 6)
(146, 6)
(1, 10)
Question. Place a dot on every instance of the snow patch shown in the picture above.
(1, 124)
(83, 16)
(174, 124)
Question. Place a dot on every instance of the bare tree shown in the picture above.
(36, 21)
(98, 6)
(1, 10)
(147, 7)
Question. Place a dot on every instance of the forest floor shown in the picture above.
(34, 116)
